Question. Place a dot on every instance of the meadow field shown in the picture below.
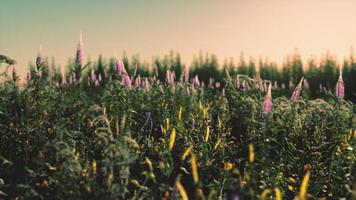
(127, 129)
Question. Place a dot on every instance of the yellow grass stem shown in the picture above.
(194, 169)
(186, 153)
(278, 193)
(172, 138)
(181, 190)
(304, 186)
(207, 133)
(251, 155)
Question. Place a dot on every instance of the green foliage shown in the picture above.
(111, 141)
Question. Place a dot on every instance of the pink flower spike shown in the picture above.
(340, 87)
(138, 81)
(118, 64)
(297, 90)
(126, 80)
(146, 85)
(267, 104)
(196, 81)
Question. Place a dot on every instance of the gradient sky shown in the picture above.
(270, 28)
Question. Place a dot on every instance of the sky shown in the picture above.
(268, 28)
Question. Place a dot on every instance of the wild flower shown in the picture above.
(119, 65)
(126, 80)
(196, 81)
(267, 104)
(169, 77)
(297, 90)
(138, 81)
(217, 84)
(146, 84)
(257, 79)
(93, 76)
(39, 58)
(340, 88)
(228, 166)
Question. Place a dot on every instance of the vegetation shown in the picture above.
(125, 131)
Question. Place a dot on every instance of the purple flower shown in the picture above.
(92, 76)
(217, 84)
(138, 81)
(196, 81)
(169, 77)
(126, 80)
(296, 92)
(80, 53)
(39, 59)
(340, 88)
(267, 104)
(119, 65)
(257, 79)
(146, 85)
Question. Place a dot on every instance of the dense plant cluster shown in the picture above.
(101, 133)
